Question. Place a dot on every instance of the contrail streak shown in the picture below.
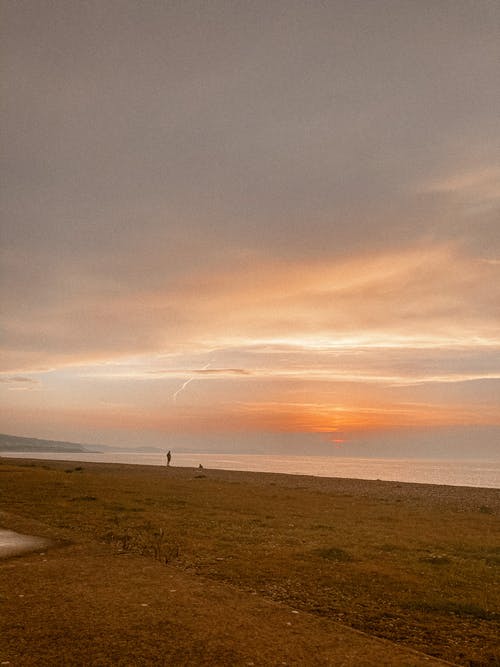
(181, 388)
(185, 384)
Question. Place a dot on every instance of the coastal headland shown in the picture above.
(180, 566)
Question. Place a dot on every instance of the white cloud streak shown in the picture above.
(185, 384)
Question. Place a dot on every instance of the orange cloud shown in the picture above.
(421, 298)
(304, 347)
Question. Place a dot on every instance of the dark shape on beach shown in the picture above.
(169, 457)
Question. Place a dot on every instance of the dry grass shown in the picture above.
(413, 564)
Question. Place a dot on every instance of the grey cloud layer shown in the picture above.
(147, 138)
(316, 121)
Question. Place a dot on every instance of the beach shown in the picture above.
(464, 472)
(149, 565)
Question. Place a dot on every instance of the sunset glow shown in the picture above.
(199, 247)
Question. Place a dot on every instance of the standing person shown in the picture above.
(169, 457)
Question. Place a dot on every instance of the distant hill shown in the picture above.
(16, 443)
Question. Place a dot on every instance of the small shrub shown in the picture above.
(146, 542)
(453, 608)
(389, 547)
(492, 560)
(334, 553)
(436, 559)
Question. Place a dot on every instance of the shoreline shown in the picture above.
(470, 497)
(343, 473)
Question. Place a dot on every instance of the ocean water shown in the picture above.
(480, 473)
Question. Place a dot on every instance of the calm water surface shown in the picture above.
(425, 471)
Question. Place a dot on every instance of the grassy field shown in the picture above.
(415, 564)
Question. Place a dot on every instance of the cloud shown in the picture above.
(19, 382)
(421, 298)
(380, 363)
(201, 371)
(306, 199)
(474, 188)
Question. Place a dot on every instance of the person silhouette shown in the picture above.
(169, 457)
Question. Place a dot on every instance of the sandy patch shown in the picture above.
(12, 543)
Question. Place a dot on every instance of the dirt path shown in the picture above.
(84, 604)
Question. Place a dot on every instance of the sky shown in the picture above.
(252, 226)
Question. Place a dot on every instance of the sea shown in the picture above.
(478, 473)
